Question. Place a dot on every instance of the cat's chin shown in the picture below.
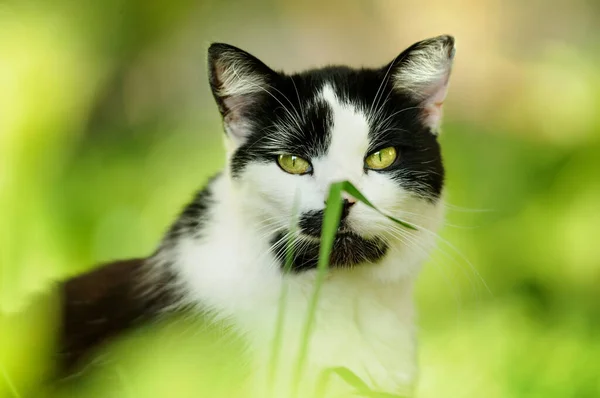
(349, 250)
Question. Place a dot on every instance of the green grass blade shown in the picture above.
(352, 190)
(362, 389)
(331, 220)
(278, 336)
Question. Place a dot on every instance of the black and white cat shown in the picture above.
(288, 137)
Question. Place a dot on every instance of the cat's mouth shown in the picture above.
(349, 249)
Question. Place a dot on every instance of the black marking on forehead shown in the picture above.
(313, 137)
(292, 121)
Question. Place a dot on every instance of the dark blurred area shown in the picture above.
(107, 127)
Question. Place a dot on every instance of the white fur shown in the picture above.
(424, 67)
(364, 318)
(237, 76)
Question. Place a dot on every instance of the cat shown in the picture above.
(288, 137)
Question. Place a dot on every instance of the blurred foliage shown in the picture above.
(107, 128)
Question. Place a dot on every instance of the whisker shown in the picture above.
(466, 209)
(383, 82)
(459, 253)
(450, 282)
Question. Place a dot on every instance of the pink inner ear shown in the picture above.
(432, 114)
(235, 124)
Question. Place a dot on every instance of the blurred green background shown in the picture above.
(107, 126)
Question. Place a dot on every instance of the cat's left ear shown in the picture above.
(422, 72)
(239, 82)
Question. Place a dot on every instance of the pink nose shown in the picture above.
(346, 205)
(347, 198)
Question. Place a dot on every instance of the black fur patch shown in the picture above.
(194, 216)
(299, 128)
(104, 303)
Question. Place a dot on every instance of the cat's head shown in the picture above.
(290, 136)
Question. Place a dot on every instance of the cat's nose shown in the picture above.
(346, 205)
(348, 198)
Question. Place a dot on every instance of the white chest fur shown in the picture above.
(365, 328)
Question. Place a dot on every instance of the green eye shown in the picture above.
(382, 158)
(294, 164)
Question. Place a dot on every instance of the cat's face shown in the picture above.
(290, 136)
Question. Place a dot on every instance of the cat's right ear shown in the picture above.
(422, 72)
(239, 82)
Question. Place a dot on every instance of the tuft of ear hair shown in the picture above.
(422, 72)
(238, 81)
